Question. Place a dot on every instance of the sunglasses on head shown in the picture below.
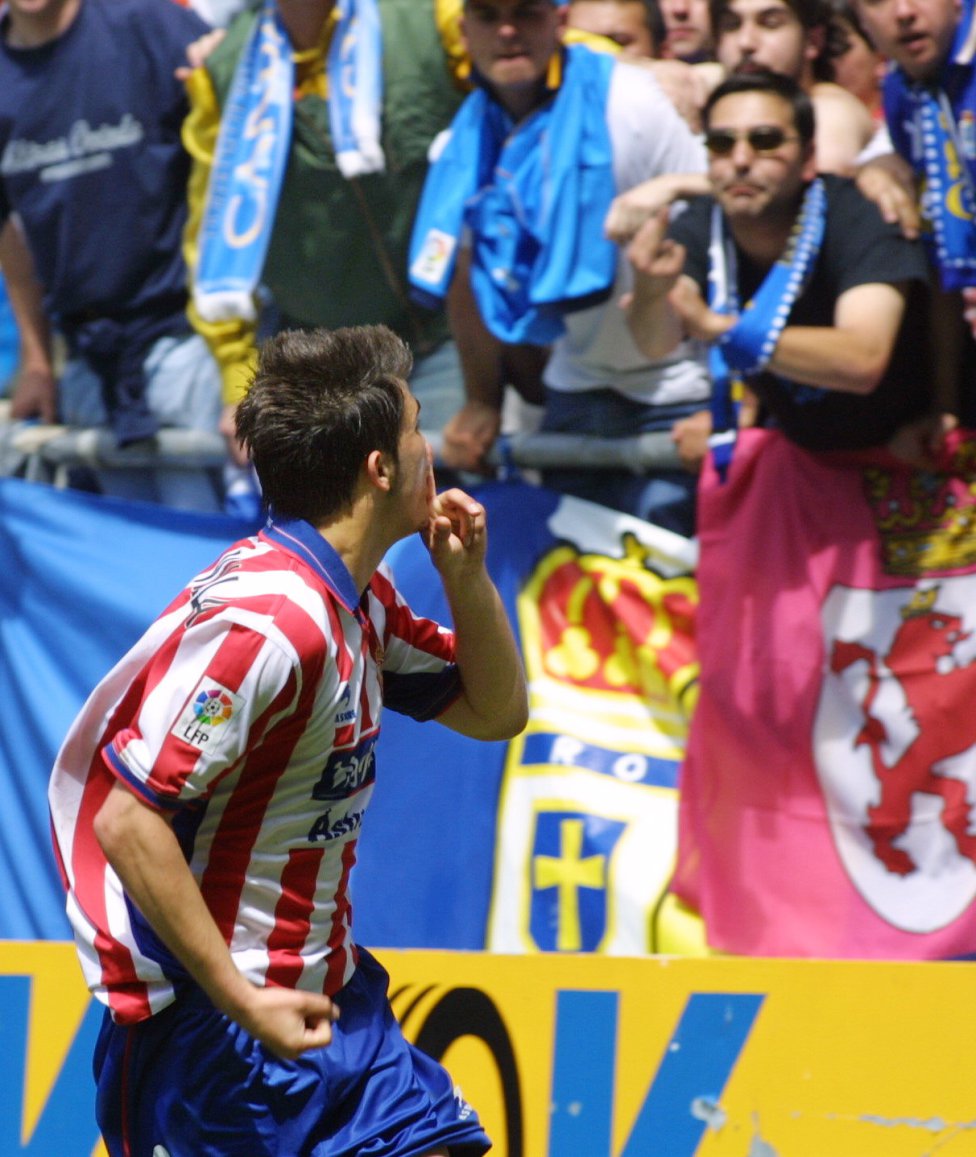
(763, 139)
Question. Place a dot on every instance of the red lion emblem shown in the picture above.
(939, 698)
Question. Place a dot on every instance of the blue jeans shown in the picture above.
(664, 497)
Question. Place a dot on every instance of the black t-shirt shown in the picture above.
(858, 248)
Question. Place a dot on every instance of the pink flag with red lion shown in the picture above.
(828, 797)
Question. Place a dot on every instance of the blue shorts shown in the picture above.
(195, 1084)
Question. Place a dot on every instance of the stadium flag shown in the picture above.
(572, 827)
(828, 792)
(587, 812)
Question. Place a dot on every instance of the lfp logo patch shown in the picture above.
(205, 719)
(213, 707)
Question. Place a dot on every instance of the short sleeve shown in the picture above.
(204, 707)
(420, 676)
(648, 135)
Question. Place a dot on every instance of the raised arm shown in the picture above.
(657, 328)
(494, 701)
(630, 209)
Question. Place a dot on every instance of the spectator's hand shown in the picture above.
(700, 322)
(199, 50)
(35, 396)
(630, 210)
(690, 436)
(236, 452)
(288, 1021)
(921, 443)
(888, 181)
(469, 435)
(969, 307)
(658, 259)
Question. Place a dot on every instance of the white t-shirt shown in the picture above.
(649, 138)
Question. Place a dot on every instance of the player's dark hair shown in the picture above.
(320, 402)
(772, 82)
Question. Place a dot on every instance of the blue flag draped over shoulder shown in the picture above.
(533, 196)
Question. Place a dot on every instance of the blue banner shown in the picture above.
(562, 840)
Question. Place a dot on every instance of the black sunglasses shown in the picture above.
(762, 139)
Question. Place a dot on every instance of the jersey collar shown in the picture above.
(302, 540)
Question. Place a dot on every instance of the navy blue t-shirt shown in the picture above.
(90, 154)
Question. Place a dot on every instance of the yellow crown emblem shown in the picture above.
(926, 522)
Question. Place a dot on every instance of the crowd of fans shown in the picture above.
(231, 185)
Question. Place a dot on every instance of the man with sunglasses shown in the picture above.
(807, 296)
(800, 288)
(792, 37)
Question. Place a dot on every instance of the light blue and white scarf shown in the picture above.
(355, 70)
(747, 347)
(934, 126)
(950, 200)
(254, 141)
(534, 196)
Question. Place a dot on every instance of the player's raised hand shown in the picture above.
(456, 532)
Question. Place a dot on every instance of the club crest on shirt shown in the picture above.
(895, 746)
(210, 708)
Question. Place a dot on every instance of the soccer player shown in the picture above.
(208, 800)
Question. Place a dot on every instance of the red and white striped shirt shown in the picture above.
(250, 710)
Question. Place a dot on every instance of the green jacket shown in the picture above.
(338, 251)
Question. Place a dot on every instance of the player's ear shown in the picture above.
(380, 470)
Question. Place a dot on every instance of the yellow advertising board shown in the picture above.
(579, 1056)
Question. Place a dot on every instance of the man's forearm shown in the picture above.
(495, 698)
(480, 352)
(655, 327)
(830, 359)
(142, 848)
(26, 298)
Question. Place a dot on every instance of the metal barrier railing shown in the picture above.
(46, 453)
